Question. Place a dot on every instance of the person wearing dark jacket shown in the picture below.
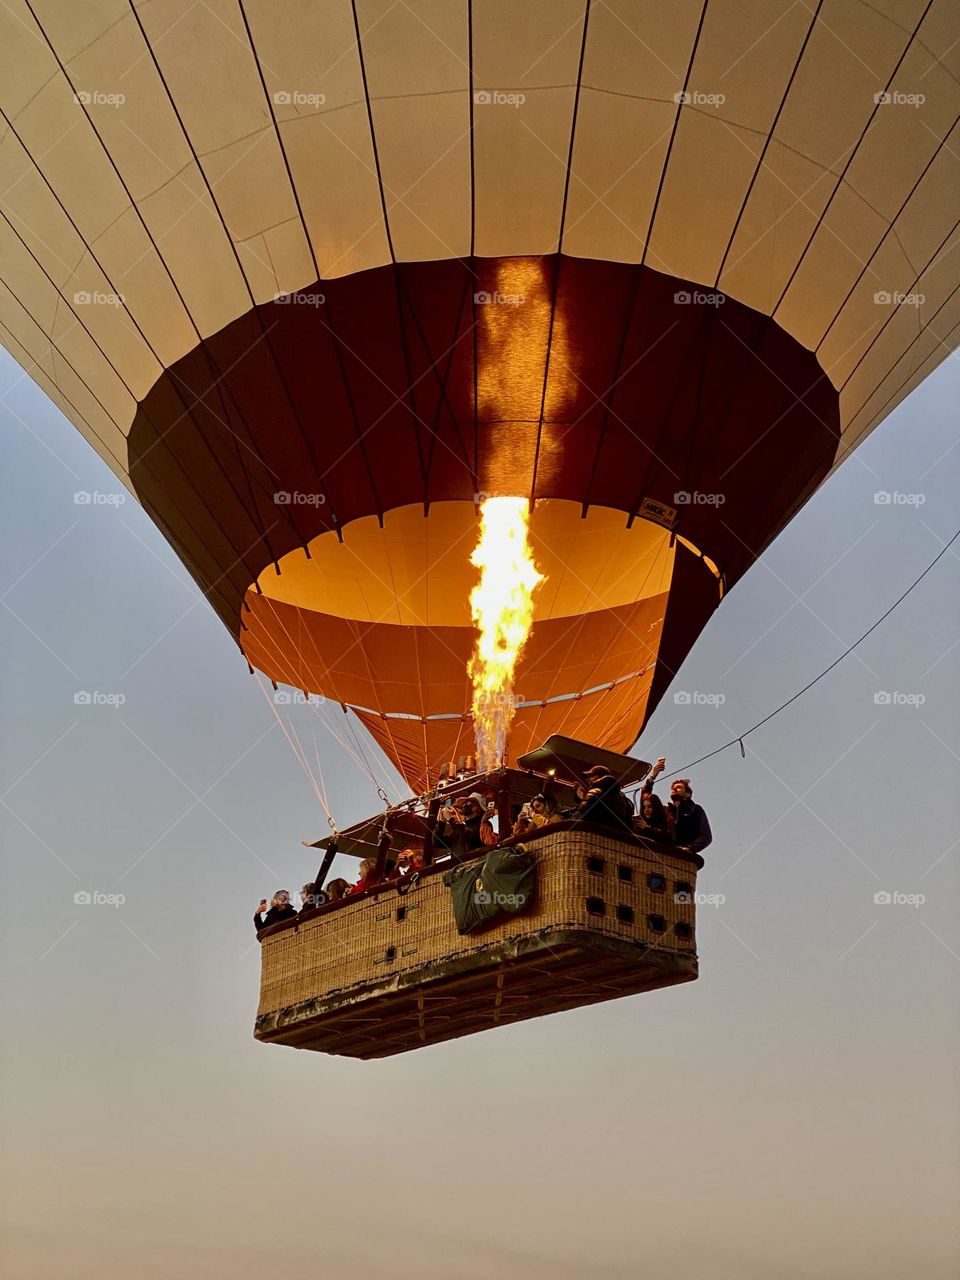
(605, 804)
(580, 791)
(691, 828)
(310, 898)
(280, 909)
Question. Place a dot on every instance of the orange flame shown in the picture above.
(502, 607)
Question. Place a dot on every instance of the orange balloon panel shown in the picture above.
(421, 671)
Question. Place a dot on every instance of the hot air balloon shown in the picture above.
(318, 281)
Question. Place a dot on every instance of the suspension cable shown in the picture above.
(826, 671)
(297, 749)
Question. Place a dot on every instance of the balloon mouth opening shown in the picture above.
(381, 622)
(415, 570)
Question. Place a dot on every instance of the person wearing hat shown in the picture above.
(464, 827)
(604, 804)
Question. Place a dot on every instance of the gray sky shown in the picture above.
(792, 1114)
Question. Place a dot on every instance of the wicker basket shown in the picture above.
(388, 971)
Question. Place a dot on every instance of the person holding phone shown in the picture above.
(281, 908)
(653, 820)
(408, 861)
(539, 812)
(464, 827)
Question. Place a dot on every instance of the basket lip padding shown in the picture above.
(629, 844)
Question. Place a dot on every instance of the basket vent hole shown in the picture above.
(596, 906)
(625, 873)
(682, 886)
(401, 913)
(656, 924)
(656, 883)
(595, 865)
(391, 953)
(683, 930)
(625, 915)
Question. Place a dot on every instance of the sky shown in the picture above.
(792, 1114)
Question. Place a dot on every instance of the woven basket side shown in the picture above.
(584, 881)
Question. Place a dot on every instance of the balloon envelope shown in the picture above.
(314, 279)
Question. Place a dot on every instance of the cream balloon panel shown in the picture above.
(417, 67)
(103, 198)
(912, 270)
(864, 406)
(71, 299)
(48, 372)
(36, 312)
(640, 47)
(856, 248)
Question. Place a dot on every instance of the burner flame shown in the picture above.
(502, 607)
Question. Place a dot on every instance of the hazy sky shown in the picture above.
(793, 1114)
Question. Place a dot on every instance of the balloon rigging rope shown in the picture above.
(355, 752)
(379, 782)
(783, 706)
(320, 778)
(298, 751)
(342, 741)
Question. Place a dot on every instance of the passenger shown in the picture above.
(337, 889)
(465, 827)
(691, 827)
(540, 812)
(368, 875)
(408, 861)
(280, 909)
(310, 898)
(604, 803)
(580, 791)
(654, 821)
